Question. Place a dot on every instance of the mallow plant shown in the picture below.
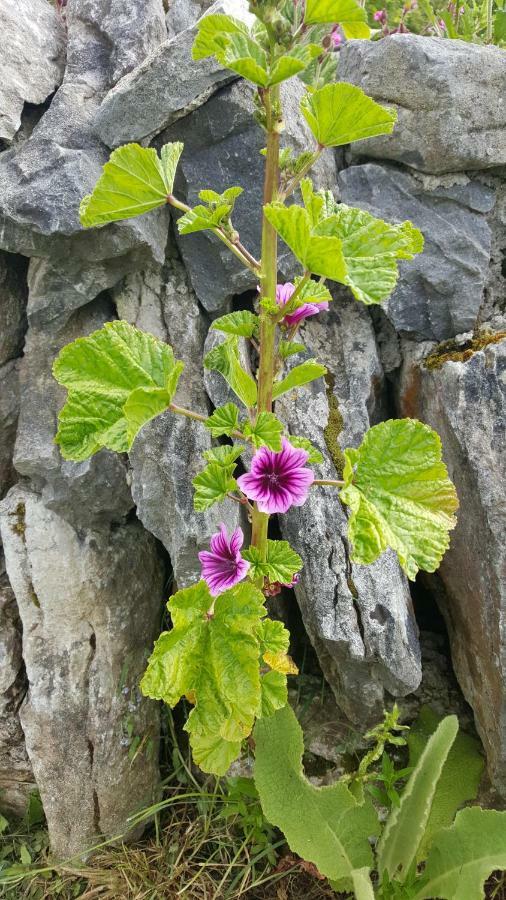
(223, 653)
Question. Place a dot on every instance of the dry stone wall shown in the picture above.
(86, 545)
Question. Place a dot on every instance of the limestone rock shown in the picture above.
(167, 453)
(13, 294)
(91, 492)
(359, 618)
(9, 411)
(436, 86)
(43, 180)
(16, 778)
(465, 401)
(440, 291)
(222, 148)
(32, 59)
(183, 14)
(89, 602)
(165, 87)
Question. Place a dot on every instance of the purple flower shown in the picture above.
(223, 566)
(336, 37)
(277, 481)
(283, 294)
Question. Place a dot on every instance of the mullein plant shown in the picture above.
(223, 653)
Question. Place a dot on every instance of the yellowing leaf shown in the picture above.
(135, 180)
(213, 655)
(341, 113)
(117, 378)
(400, 496)
(281, 662)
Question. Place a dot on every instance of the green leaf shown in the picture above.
(212, 485)
(134, 181)
(294, 62)
(403, 833)
(210, 34)
(465, 855)
(325, 825)
(298, 376)
(281, 562)
(224, 455)
(315, 457)
(224, 420)
(351, 16)
(215, 660)
(274, 693)
(225, 359)
(362, 884)
(117, 378)
(500, 25)
(400, 496)
(320, 254)
(289, 348)
(242, 323)
(265, 432)
(371, 249)
(341, 113)
(460, 778)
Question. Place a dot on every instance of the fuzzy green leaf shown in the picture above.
(242, 323)
(371, 249)
(212, 485)
(403, 833)
(224, 420)
(341, 113)
(298, 376)
(224, 454)
(211, 30)
(302, 443)
(274, 693)
(225, 359)
(400, 496)
(266, 432)
(214, 660)
(465, 855)
(325, 825)
(350, 15)
(293, 62)
(460, 778)
(362, 884)
(134, 181)
(117, 378)
(281, 562)
(320, 254)
(289, 348)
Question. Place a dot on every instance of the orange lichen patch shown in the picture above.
(452, 351)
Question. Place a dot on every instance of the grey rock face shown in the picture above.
(466, 403)
(94, 491)
(183, 14)
(222, 148)
(165, 87)
(16, 778)
(43, 180)
(440, 292)
(32, 60)
(359, 618)
(167, 453)
(9, 411)
(84, 660)
(436, 86)
(13, 294)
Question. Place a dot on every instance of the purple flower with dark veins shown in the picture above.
(283, 295)
(277, 481)
(223, 565)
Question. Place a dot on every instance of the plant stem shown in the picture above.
(294, 183)
(235, 246)
(330, 481)
(268, 282)
(490, 22)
